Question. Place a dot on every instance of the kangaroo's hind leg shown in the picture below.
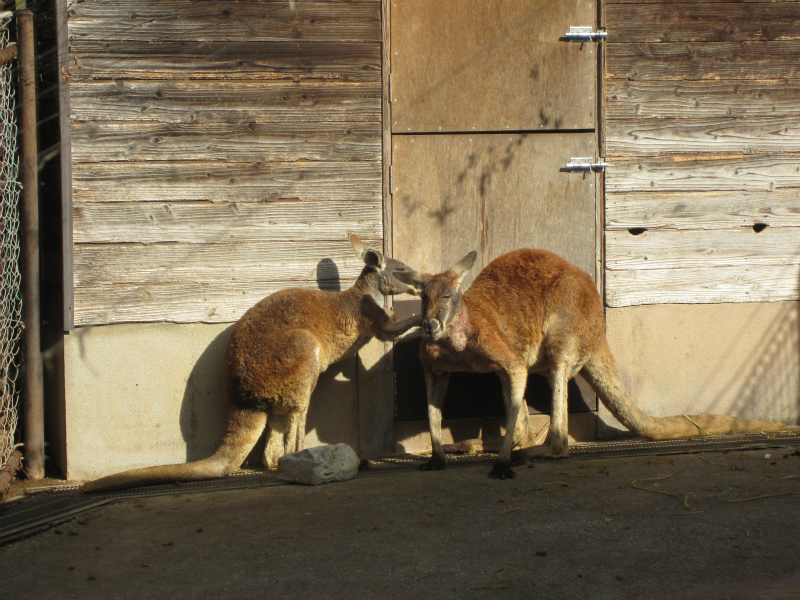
(296, 434)
(277, 426)
(287, 391)
(567, 356)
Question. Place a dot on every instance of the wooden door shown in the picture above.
(489, 102)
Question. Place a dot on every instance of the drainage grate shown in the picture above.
(59, 504)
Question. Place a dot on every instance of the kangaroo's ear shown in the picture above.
(370, 256)
(413, 279)
(374, 258)
(460, 269)
(359, 246)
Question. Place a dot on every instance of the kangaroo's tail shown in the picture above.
(601, 373)
(244, 429)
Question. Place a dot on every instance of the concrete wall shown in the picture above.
(140, 395)
(736, 359)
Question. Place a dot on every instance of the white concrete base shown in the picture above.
(148, 394)
(736, 359)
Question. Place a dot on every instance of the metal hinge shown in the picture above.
(585, 165)
(585, 34)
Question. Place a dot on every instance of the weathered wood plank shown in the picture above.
(630, 137)
(229, 21)
(184, 301)
(669, 248)
(218, 263)
(667, 61)
(171, 181)
(208, 101)
(703, 22)
(130, 141)
(239, 222)
(701, 99)
(168, 59)
(692, 173)
(703, 285)
(702, 210)
(609, 2)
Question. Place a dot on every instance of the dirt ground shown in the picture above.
(720, 526)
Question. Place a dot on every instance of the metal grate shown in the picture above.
(10, 297)
(65, 502)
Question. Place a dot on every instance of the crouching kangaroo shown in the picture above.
(531, 311)
(274, 356)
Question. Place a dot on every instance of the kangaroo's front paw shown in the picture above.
(502, 470)
(436, 463)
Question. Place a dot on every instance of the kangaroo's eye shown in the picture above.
(445, 295)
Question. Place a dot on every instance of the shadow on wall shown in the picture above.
(203, 412)
(332, 415)
(768, 380)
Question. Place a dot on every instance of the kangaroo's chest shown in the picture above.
(458, 351)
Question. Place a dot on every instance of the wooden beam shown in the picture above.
(708, 285)
(125, 60)
(746, 135)
(704, 173)
(270, 20)
(702, 210)
(681, 61)
(706, 99)
(703, 21)
(243, 222)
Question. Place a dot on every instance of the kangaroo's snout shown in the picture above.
(432, 328)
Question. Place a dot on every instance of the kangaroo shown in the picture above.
(531, 311)
(274, 356)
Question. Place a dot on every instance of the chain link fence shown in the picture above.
(10, 294)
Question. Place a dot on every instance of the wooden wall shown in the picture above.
(702, 129)
(221, 151)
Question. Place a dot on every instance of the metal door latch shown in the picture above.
(585, 165)
(585, 34)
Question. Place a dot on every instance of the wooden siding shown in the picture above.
(221, 151)
(702, 130)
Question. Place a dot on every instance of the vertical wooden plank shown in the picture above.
(62, 49)
(386, 125)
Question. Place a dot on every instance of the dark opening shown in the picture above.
(469, 394)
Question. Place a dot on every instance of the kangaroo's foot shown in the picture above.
(502, 470)
(436, 463)
(518, 457)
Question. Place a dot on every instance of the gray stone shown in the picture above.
(322, 464)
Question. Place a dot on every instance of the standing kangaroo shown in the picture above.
(274, 356)
(531, 311)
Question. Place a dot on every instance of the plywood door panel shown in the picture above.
(488, 104)
(491, 65)
(491, 193)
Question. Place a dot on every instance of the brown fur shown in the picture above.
(531, 311)
(274, 356)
